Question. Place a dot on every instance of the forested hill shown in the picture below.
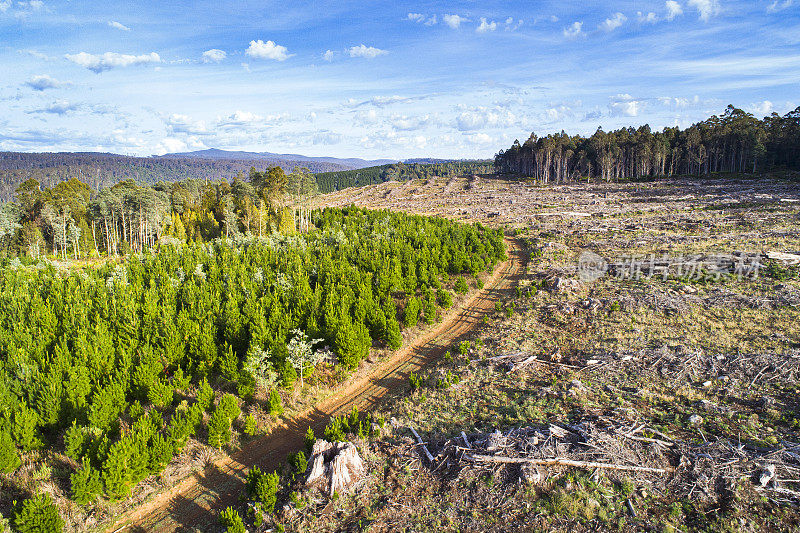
(100, 170)
(342, 179)
(733, 142)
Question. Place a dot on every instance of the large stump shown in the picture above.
(334, 466)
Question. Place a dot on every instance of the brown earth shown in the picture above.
(193, 504)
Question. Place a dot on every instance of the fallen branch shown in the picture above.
(565, 462)
(425, 448)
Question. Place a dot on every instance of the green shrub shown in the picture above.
(37, 514)
(9, 455)
(250, 426)
(310, 440)
(412, 312)
(229, 518)
(299, 463)
(461, 286)
(274, 403)
(262, 488)
(415, 380)
(85, 484)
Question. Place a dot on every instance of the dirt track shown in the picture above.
(193, 504)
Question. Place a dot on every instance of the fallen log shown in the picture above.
(782, 256)
(565, 462)
(421, 443)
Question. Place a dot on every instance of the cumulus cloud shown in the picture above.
(184, 124)
(486, 26)
(646, 18)
(406, 123)
(761, 108)
(118, 25)
(611, 24)
(574, 30)
(511, 25)
(482, 117)
(328, 55)
(423, 19)
(98, 63)
(214, 55)
(267, 50)
(42, 82)
(480, 139)
(624, 105)
(368, 52)
(454, 21)
(674, 9)
(247, 118)
(777, 5)
(706, 8)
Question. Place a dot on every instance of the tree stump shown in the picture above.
(334, 466)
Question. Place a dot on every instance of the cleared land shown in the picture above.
(693, 374)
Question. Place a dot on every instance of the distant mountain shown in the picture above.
(216, 154)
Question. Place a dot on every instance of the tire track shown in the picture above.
(192, 504)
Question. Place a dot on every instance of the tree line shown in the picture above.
(71, 220)
(733, 142)
(419, 169)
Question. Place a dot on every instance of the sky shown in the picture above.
(380, 79)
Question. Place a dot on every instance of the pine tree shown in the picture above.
(37, 514)
(9, 456)
(86, 484)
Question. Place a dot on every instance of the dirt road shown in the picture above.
(193, 504)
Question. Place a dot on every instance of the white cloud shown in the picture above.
(214, 55)
(328, 55)
(240, 118)
(184, 124)
(613, 23)
(368, 52)
(574, 31)
(98, 63)
(118, 25)
(649, 18)
(416, 17)
(431, 21)
(267, 50)
(481, 117)
(761, 108)
(706, 8)
(59, 107)
(480, 139)
(42, 82)
(485, 26)
(4, 5)
(777, 5)
(553, 18)
(454, 21)
(674, 9)
(247, 118)
(406, 123)
(625, 106)
(511, 25)
(326, 137)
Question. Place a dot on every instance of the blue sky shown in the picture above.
(380, 79)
